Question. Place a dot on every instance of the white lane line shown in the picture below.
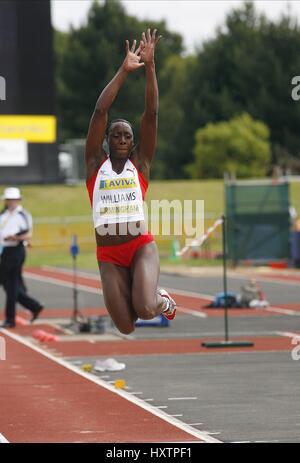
(195, 424)
(195, 313)
(3, 439)
(161, 406)
(70, 272)
(288, 334)
(199, 314)
(177, 415)
(58, 282)
(126, 395)
(66, 284)
(180, 292)
(265, 441)
(149, 400)
(182, 398)
(267, 280)
(137, 393)
(191, 312)
(283, 311)
(96, 278)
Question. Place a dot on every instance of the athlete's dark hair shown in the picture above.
(119, 120)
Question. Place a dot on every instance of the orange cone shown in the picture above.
(37, 334)
(120, 384)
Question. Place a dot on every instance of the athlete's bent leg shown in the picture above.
(147, 303)
(116, 284)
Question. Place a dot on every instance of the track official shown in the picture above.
(15, 230)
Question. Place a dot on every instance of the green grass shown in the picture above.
(52, 240)
(295, 196)
(65, 200)
(87, 260)
(39, 257)
(56, 200)
(211, 191)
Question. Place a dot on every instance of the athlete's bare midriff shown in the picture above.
(113, 234)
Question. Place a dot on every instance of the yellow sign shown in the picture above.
(118, 183)
(33, 129)
(119, 210)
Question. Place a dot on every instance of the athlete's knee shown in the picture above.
(126, 328)
(146, 312)
(144, 305)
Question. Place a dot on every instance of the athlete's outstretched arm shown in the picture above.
(148, 127)
(96, 133)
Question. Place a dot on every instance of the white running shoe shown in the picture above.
(108, 365)
(170, 311)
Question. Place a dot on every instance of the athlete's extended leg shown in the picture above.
(116, 284)
(146, 301)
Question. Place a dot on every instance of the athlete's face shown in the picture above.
(120, 140)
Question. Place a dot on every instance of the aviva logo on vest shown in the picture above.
(117, 183)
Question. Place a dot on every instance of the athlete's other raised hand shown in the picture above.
(133, 58)
(148, 45)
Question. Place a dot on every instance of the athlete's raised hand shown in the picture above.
(133, 57)
(148, 45)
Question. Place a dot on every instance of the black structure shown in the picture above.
(26, 63)
(226, 342)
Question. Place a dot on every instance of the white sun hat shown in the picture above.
(12, 193)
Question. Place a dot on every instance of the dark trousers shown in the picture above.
(11, 264)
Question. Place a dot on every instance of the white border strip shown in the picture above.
(96, 278)
(67, 271)
(135, 400)
(67, 284)
(293, 313)
(182, 398)
(70, 284)
(58, 282)
(288, 334)
(180, 292)
(191, 312)
(266, 279)
(3, 440)
(232, 274)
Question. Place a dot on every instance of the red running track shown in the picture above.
(43, 401)
(185, 301)
(144, 347)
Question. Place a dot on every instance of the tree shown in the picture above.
(248, 67)
(173, 84)
(240, 146)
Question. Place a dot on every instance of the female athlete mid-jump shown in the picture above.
(117, 182)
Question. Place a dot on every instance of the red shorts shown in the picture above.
(123, 254)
